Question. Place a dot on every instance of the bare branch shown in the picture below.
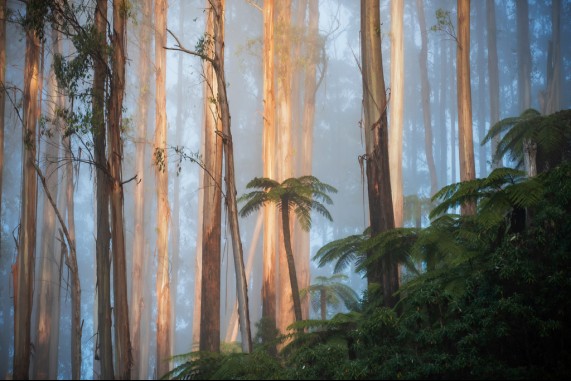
(255, 5)
(181, 48)
(70, 242)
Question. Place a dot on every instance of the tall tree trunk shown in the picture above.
(175, 227)
(493, 82)
(285, 314)
(71, 262)
(23, 271)
(465, 139)
(121, 308)
(552, 101)
(480, 65)
(523, 55)
(376, 134)
(47, 303)
(212, 213)
(241, 282)
(312, 51)
(163, 210)
(453, 120)
(104, 352)
(426, 111)
(139, 260)
(269, 170)
(396, 109)
(443, 163)
(285, 209)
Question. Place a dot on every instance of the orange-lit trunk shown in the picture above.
(465, 140)
(139, 260)
(376, 140)
(396, 108)
(211, 225)
(24, 274)
(269, 169)
(48, 288)
(163, 210)
(285, 314)
(117, 86)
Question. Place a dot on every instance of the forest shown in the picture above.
(292, 189)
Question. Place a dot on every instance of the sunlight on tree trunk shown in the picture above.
(23, 270)
(465, 139)
(139, 261)
(117, 87)
(164, 318)
(396, 108)
(375, 126)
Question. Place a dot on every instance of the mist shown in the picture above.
(337, 148)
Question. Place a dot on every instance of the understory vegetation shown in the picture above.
(484, 296)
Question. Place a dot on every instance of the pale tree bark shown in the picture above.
(465, 139)
(493, 81)
(443, 162)
(453, 119)
(480, 65)
(48, 287)
(23, 270)
(285, 314)
(425, 89)
(523, 55)
(396, 108)
(175, 227)
(104, 349)
(117, 87)
(67, 233)
(71, 262)
(164, 318)
(139, 261)
(552, 101)
(269, 169)
(375, 125)
(241, 282)
(313, 49)
(212, 213)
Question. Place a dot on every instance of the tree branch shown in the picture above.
(70, 242)
(181, 48)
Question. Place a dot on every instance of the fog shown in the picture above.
(338, 141)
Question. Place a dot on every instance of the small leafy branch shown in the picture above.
(444, 24)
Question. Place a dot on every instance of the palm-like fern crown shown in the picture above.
(302, 194)
(336, 292)
(551, 133)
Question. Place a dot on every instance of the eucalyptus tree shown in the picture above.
(23, 271)
(299, 195)
(375, 125)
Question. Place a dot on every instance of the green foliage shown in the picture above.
(551, 134)
(444, 23)
(302, 195)
(205, 45)
(489, 302)
(335, 291)
(343, 252)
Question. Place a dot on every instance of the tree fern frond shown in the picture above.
(342, 252)
(262, 183)
(254, 201)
